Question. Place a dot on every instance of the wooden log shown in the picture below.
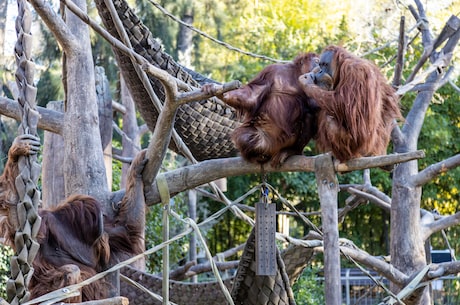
(328, 188)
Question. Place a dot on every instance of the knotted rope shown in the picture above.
(28, 219)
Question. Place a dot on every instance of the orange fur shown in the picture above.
(358, 113)
(278, 119)
(23, 145)
(76, 240)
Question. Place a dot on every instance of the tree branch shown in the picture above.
(443, 269)
(384, 204)
(49, 120)
(197, 95)
(422, 20)
(400, 55)
(431, 226)
(221, 266)
(376, 264)
(154, 71)
(179, 143)
(56, 25)
(435, 170)
(438, 65)
(164, 125)
(441, 59)
(378, 161)
(191, 176)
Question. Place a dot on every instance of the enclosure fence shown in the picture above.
(359, 289)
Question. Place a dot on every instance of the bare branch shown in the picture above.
(222, 266)
(377, 201)
(456, 88)
(164, 125)
(152, 70)
(376, 264)
(49, 120)
(198, 174)
(438, 65)
(378, 161)
(56, 25)
(163, 130)
(197, 95)
(397, 136)
(443, 269)
(435, 170)
(147, 84)
(448, 32)
(118, 107)
(401, 51)
(433, 226)
(447, 77)
(423, 24)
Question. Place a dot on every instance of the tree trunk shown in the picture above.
(104, 100)
(407, 246)
(53, 191)
(131, 138)
(185, 37)
(84, 170)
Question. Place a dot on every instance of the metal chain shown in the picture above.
(29, 170)
(264, 190)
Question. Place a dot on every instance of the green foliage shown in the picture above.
(154, 228)
(5, 254)
(116, 175)
(154, 235)
(161, 26)
(368, 225)
(50, 86)
(307, 289)
(278, 29)
(228, 231)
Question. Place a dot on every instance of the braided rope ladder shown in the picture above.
(28, 220)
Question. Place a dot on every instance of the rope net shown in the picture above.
(28, 219)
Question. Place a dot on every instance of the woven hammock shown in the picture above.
(204, 126)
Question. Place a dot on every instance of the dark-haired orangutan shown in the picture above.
(277, 118)
(358, 107)
(76, 240)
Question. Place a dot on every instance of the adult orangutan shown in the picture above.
(76, 239)
(358, 106)
(278, 119)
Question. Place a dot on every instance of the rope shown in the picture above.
(164, 193)
(226, 45)
(29, 170)
(214, 268)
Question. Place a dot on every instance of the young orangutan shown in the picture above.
(76, 239)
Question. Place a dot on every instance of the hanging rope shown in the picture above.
(29, 170)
